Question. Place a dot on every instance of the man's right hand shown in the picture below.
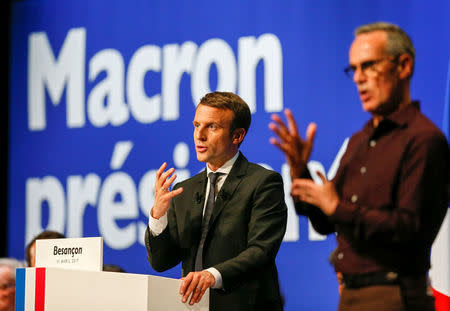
(296, 150)
(196, 283)
(162, 194)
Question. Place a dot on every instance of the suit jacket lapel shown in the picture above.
(226, 192)
(198, 200)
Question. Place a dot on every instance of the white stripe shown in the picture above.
(30, 288)
(440, 259)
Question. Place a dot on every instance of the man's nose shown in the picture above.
(359, 75)
(200, 134)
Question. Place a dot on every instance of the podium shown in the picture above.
(56, 289)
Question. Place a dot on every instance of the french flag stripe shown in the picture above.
(30, 288)
(40, 289)
(20, 289)
(442, 302)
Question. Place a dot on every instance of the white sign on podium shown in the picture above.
(71, 253)
(53, 289)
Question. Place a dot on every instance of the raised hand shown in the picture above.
(162, 193)
(296, 150)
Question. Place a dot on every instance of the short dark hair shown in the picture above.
(44, 235)
(230, 101)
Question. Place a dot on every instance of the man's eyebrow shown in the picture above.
(208, 123)
(217, 123)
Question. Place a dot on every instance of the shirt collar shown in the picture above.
(226, 168)
(403, 116)
(399, 118)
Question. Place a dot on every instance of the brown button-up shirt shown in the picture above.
(393, 184)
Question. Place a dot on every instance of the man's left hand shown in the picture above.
(323, 196)
(196, 283)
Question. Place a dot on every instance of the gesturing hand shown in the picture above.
(196, 283)
(323, 196)
(296, 150)
(162, 194)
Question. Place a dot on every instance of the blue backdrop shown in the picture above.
(102, 92)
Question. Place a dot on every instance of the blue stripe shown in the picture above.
(20, 289)
(446, 123)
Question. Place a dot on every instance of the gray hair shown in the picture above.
(12, 263)
(398, 42)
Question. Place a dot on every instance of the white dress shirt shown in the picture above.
(157, 226)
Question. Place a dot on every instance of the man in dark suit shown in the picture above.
(225, 228)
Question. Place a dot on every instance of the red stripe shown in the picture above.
(40, 290)
(441, 302)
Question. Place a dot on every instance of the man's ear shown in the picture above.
(405, 66)
(238, 135)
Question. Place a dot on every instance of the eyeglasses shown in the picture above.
(369, 68)
(8, 285)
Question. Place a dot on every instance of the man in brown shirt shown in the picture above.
(390, 194)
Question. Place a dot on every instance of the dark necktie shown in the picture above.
(207, 215)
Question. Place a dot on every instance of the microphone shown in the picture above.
(198, 197)
(225, 196)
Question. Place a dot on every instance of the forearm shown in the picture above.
(249, 263)
(162, 252)
(320, 222)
